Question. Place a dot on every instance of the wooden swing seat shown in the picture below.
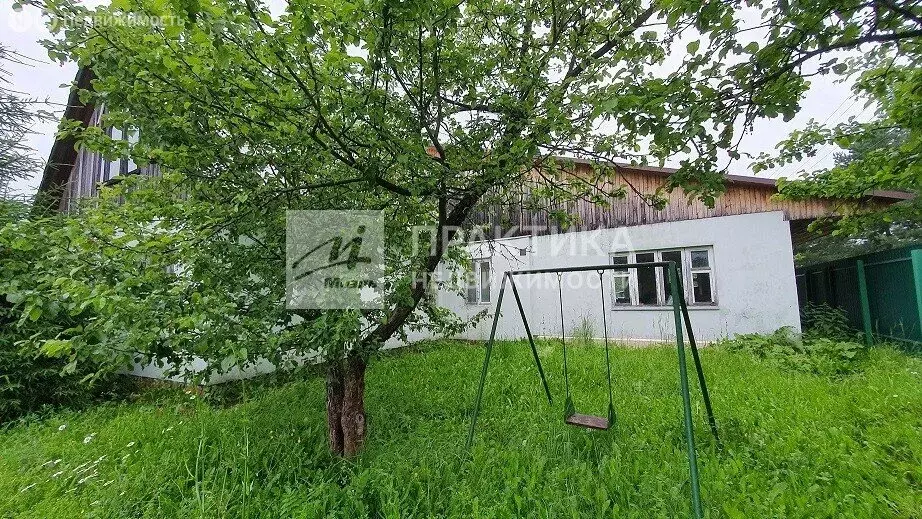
(588, 421)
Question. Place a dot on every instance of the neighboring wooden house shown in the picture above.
(736, 257)
(70, 173)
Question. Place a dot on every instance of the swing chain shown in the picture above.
(611, 403)
(568, 402)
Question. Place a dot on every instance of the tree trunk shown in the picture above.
(346, 421)
(346, 406)
(353, 411)
(335, 395)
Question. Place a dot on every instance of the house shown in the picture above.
(736, 258)
(736, 261)
(71, 174)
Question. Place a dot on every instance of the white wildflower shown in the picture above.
(62, 427)
(83, 480)
(89, 438)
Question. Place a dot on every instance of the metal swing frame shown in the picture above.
(681, 316)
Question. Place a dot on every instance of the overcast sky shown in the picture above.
(21, 31)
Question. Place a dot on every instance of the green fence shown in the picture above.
(881, 293)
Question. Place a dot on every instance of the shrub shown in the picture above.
(807, 353)
(824, 321)
(30, 380)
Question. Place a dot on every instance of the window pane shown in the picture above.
(619, 260)
(472, 294)
(646, 280)
(485, 282)
(470, 277)
(699, 259)
(675, 256)
(701, 281)
(622, 290)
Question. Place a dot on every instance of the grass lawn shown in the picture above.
(796, 445)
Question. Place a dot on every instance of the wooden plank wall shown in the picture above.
(89, 171)
(740, 198)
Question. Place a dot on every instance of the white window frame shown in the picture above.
(120, 166)
(661, 297)
(476, 281)
(709, 270)
(626, 274)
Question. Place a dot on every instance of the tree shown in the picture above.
(883, 154)
(18, 115)
(423, 109)
(864, 145)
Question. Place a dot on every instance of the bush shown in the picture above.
(824, 321)
(807, 353)
(30, 380)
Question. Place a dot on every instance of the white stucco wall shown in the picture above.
(753, 279)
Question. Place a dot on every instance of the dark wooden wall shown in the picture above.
(741, 197)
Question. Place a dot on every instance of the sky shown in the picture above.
(826, 101)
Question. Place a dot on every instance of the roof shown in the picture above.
(733, 179)
(63, 152)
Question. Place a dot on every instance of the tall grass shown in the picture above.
(796, 444)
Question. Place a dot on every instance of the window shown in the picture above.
(672, 255)
(650, 286)
(621, 289)
(122, 165)
(646, 279)
(478, 283)
(702, 291)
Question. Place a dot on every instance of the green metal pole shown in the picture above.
(531, 340)
(704, 387)
(486, 363)
(686, 398)
(916, 256)
(865, 303)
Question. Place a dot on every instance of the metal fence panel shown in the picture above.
(894, 285)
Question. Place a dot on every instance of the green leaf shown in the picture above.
(692, 46)
(55, 347)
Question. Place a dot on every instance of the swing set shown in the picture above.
(571, 417)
